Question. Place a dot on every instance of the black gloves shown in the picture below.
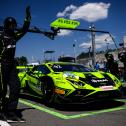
(28, 14)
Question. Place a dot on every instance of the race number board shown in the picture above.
(65, 23)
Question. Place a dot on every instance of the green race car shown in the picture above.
(63, 82)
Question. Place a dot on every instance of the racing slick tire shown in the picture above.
(47, 88)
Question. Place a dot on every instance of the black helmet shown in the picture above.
(109, 56)
(122, 56)
(10, 23)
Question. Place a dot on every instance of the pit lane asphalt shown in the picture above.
(102, 113)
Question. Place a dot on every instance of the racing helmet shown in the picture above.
(10, 23)
(122, 56)
(109, 56)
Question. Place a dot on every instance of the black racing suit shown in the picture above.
(112, 67)
(124, 74)
(8, 73)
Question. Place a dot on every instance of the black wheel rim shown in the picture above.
(48, 90)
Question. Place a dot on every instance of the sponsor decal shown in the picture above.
(106, 88)
(99, 80)
(11, 46)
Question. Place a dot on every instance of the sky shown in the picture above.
(105, 15)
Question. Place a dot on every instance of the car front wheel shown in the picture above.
(47, 88)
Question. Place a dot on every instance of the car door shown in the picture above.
(34, 76)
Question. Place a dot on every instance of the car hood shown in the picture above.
(92, 78)
(85, 74)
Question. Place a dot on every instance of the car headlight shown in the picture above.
(70, 75)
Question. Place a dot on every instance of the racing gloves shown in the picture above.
(28, 14)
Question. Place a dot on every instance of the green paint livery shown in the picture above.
(63, 82)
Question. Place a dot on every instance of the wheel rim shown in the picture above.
(48, 90)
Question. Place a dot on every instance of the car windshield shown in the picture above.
(70, 67)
